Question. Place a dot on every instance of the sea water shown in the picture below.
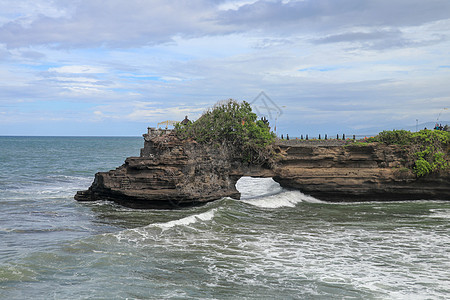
(272, 244)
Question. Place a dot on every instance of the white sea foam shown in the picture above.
(52, 187)
(141, 234)
(266, 193)
(206, 216)
(347, 259)
(283, 199)
(440, 213)
(257, 187)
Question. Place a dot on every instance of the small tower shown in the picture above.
(185, 121)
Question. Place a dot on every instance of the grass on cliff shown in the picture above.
(429, 150)
(235, 125)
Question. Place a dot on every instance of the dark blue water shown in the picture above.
(273, 244)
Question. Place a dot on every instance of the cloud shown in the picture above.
(117, 23)
(374, 24)
(32, 55)
(348, 63)
(331, 14)
(139, 111)
(272, 42)
(134, 23)
(383, 39)
(73, 69)
(360, 36)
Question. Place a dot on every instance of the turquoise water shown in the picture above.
(273, 244)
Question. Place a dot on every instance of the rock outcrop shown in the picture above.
(169, 173)
(357, 173)
(173, 173)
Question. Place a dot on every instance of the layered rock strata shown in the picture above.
(357, 173)
(174, 173)
(168, 173)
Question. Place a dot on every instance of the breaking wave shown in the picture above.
(283, 199)
(154, 230)
(206, 216)
(266, 193)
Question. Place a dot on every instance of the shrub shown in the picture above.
(429, 149)
(234, 124)
(422, 167)
(400, 137)
(371, 139)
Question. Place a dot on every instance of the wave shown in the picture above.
(283, 199)
(141, 234)
(266, 193)
(54, 186)
(257, 187)
(206, 216)
(440, 213)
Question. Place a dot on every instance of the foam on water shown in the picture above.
(266, 193)
(440, 213)
(346, 261)
(257, 187)
(283, 199)
(48, 188)
(141, 234)
(206, 216)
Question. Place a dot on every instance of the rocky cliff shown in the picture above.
(174, 173)
(168, 173)
(357, 173)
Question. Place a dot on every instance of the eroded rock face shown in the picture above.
(174, 173)
(169, 173)
(357, 173)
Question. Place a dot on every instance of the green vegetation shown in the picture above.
(429, 150)
(399, 137)
(357, 144)
(235, 125)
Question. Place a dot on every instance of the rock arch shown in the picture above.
(173, 173)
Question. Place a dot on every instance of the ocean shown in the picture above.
(272, 244)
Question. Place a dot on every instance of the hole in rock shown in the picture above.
(250, 187)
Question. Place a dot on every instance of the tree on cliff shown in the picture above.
(235, 125)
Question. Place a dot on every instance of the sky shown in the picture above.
(113, 68)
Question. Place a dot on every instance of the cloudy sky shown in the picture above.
(92, 67)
